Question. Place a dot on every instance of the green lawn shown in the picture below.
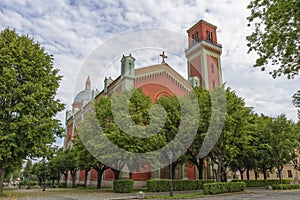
(36, 193)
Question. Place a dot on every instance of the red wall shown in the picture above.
(212, 75)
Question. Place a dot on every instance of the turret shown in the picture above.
(127, 71)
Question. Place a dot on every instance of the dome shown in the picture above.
(84, 95)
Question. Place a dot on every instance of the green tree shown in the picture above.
(28, 85)
(203, 97)
(86, 161)
(284, 142)
(245, 158)
(132, 108)
(276, 35)
(296, 101)
(41, 171)
(234, 133)
(59, 164)
(27, 170)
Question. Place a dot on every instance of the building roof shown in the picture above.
(84, 95)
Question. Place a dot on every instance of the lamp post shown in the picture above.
(170, 154)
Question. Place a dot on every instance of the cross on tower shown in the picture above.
(163, 57)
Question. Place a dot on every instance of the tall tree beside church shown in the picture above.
(203, 97)
(276, 35)
(130, 105)
(28, 85)
(86, 161)
(234, 133)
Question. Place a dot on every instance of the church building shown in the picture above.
(203, 68)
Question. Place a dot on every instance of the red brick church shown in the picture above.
(204, 70)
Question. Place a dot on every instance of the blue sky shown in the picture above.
(72, 30)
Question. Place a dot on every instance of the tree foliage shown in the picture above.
(234, 133)
(296, 102)
(28, 85)
(276, 35)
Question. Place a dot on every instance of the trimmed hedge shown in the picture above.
(178, 185)
(123, 186)
(262, 183)
(62, 185)
(285, 187)
(217, 188)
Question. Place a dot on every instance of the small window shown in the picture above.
(214, 84)
(290, 173)
(212, 68)
(207, 35)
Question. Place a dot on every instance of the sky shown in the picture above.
(72, 30)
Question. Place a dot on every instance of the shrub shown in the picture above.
(217, 188)
(36, 187)
(123, 186)
(62, 185)
(285, 187)
(262, 183)
(178, 185)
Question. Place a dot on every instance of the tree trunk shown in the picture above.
(265, 173)
(256, 174)
(100, 172)
(248, 174)
(279, 174)
(200, 168)
(66, 177)
(117, 174)
(2, 174)
(86, 172)
(242, 174)
(219, 171)
(40, 181)
(73, 175)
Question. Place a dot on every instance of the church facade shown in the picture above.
(204, 70)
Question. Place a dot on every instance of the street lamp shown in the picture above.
(170, 154)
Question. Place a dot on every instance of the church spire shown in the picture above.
(88, 83)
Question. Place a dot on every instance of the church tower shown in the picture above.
(203, 56)
(127, 71)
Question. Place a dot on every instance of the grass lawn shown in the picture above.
(38, 193)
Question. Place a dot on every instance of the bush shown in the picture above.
(285, 187)
(123, 186)
(36, 187)
(262, 183)
(62, 185)
(178, 185)
(217, 188)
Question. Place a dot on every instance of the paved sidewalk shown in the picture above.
(251, 193)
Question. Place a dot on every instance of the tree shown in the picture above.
(245, 159)
(86, 161)
(131, 117)
(234, 133)
(28, 85)
(296, 101)
(41, 171)
(276, 35)
(27, 170)
(203, 97)
(284, 142)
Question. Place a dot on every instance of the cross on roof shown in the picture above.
(163, 57)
